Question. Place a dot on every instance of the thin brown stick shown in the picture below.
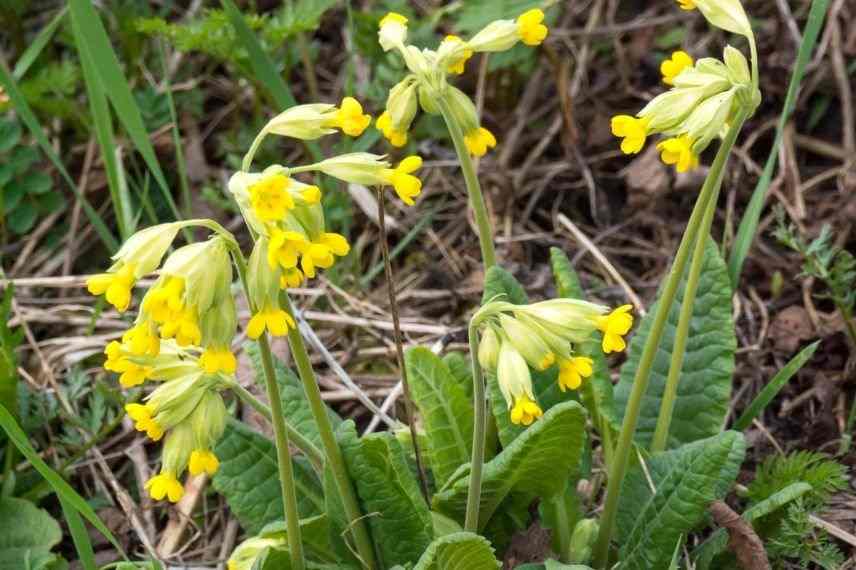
(399, 348)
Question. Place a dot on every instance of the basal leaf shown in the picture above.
(500, 284)
(399, 519)
(29, 534)
(461, 368)
(687, 479)
(536, 464)
(704, 389)
(249, 479)
(447, 413)
(458, 551)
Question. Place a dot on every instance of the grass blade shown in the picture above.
(60, 487)
(176, 137)
(35, 49)
(264, 68)
(763, 399)
(118, 91)
(752, 215)
(79, 536)
(103, 123)
(19, 102)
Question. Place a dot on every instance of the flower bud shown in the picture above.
(728, 15)
(304, 122)
(706, 120)
(499, 35)
(245, 555)
(392, 31)
(146, 248)
(401, 105)
(488, 349)
(356, 167)
(582, 540)
(453, 54)
(527, 342)
(737, 66)
(512, 373)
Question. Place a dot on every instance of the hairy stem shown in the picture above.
(643, 371)
(471, 521)
(335, 459)
(472, 182)
(399, 345)
(667, 405)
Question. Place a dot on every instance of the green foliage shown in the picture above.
(798, 540)
(314, 532)
(29, 534)
(9, 341)
(446, 411)
(50, 88)
(825, 476)
(399, 519)
(458, 551)
(248, 478)
(535, 464)
(213, 35)
(500, 285)
(705, 383)
(26, 191)
(687, 480)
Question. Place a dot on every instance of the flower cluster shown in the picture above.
(426, 85)
(181, 339)
(704, 94)
(515, 338)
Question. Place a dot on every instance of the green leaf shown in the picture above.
(295, 407)
(29, 534)
(9, 341)
(399, 519)
(560, 514)
(704, 389)
(79, 536)
(458, 551)
(37, 45)
(314, 533)
(688, 479)
(475, 14)
(10, 134)
(536, 464)
(752, 215)
(249, 479)
(12, 195)
(499, 284)
(447, 413)
(22, 218)
(461, 368)
(37, 183)
(763, 399)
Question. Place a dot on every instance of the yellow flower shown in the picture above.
(270, 199)
(164, 299)
(321, 253)
(311, 195)
(183, 326)
(687, 4)
(203, 461)
(525, 411)
(141, 340)
(276, 321)
(672, 67)
(395, 137)
(350, 118)
(285, 247)
(479, 140)
(392, 31)
(143, 420)
(117, 286)
(458, 62)
(634, 132)
(529, 27)
(290, 278)
(614, 326)
(405, 184)
(165, 485)
(679, 151)
(573, 370)
(215, 360)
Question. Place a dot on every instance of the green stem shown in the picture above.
(667, 405)
(471, 521)
(295, 437)
(472, 183)
(652, 343)
(286, 473)
(335, 460)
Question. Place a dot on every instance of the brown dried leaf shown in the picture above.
(742, 540)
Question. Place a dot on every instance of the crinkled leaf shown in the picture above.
(29, 533)
(501, 285)
(249, 479)
(314, 533)
(461, 368)
(447, 413)
(536, 464)
(687, 479)
(400, 523)
(704, 389)
(458, 551)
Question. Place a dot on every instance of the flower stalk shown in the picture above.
(471, 180)
(471, 520)
(643, 372)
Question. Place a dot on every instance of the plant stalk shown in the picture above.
(667, 405)
(335, 460)
(643, 371)
(286, 470)
(471, 521)
(399, 345)
(472, 182)
(295, 437)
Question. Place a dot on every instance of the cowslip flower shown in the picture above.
(276, 321)
(728, 15)
(632, 131)
(456, 53)
(515, 383)
(672, 67)
(573, 370)
(678, 151)
(614, 326)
